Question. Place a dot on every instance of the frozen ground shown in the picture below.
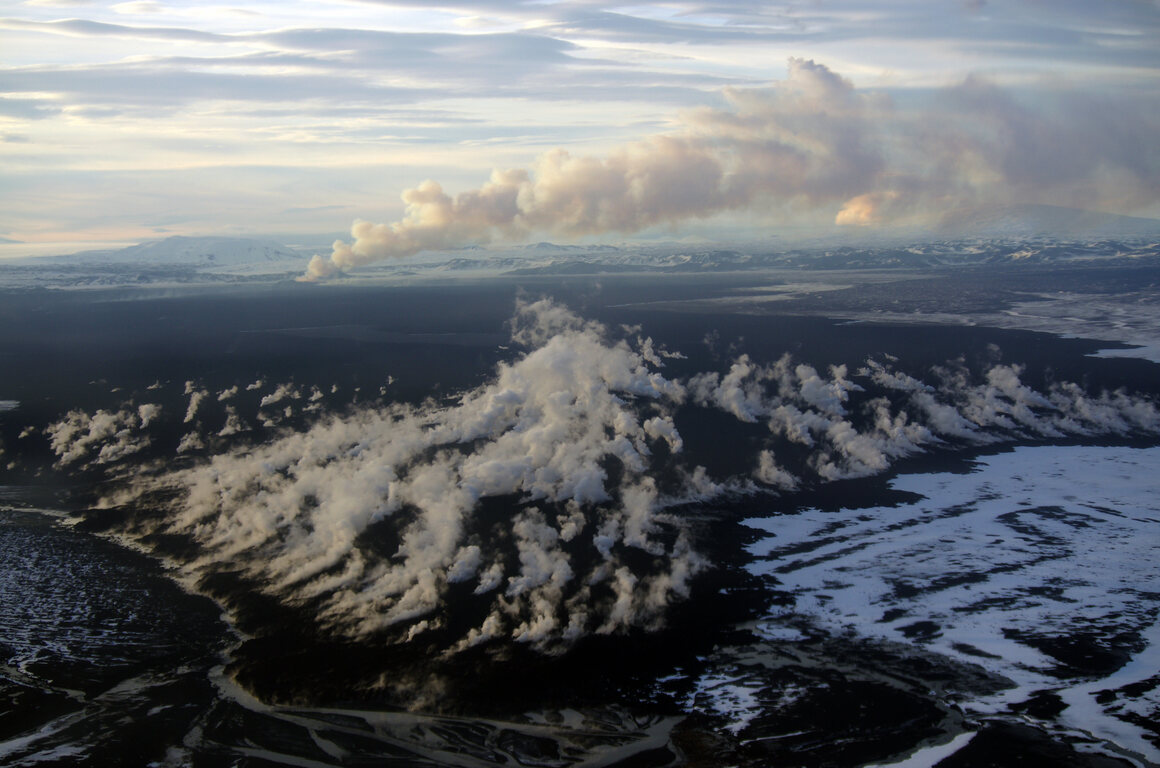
(1132, 318)
(101, 657)
(1041, 565)
(982, 615)
(1127, 318)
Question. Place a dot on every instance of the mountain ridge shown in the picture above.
(1031, 220)
(182, 250)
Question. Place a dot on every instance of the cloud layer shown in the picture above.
(133, 118)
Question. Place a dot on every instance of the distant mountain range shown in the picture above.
(545, 247)
(1011, 235)
(1045, 220)
(191, 251)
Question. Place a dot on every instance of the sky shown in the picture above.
(447, 123)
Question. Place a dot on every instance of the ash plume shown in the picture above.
(810, 147)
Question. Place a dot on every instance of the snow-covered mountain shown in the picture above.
(546, 247)
(1046, 220)
(194, 251)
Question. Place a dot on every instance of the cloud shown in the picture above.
(234, 424)
(57, 3)
(315, 92)
(138, 7)
(147, 413)
(1110, 35)
(191, 441)
(566, 430)
(29, 109)
(542, 503)
(434, 55)
(338, 70)
(196, 396)
(866, 209)
(280, 393)
(806, 411)
(809, 143)
(771, 474)
(104, 437)
(796, 139)
(89, 28)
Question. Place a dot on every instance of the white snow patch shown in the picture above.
(1044, 541)
(727, 696)
(930, 756)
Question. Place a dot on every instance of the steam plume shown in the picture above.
(809, 145)
(580, 435)
(291, 512)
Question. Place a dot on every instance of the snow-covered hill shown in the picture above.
(193, 251)
(1046, 220)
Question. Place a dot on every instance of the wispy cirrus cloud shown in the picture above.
(89, 28)
(158, 87)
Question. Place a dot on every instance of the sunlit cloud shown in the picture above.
(155, 86)
(88, 28)
(138, 7)
(57, 3)
(579, 434)
(810, 143)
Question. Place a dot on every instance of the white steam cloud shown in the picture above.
(102, 438)
(549, 429)
(280, 393)
(580, 432)
(808, 410)
(196, 396)
(809, 144)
